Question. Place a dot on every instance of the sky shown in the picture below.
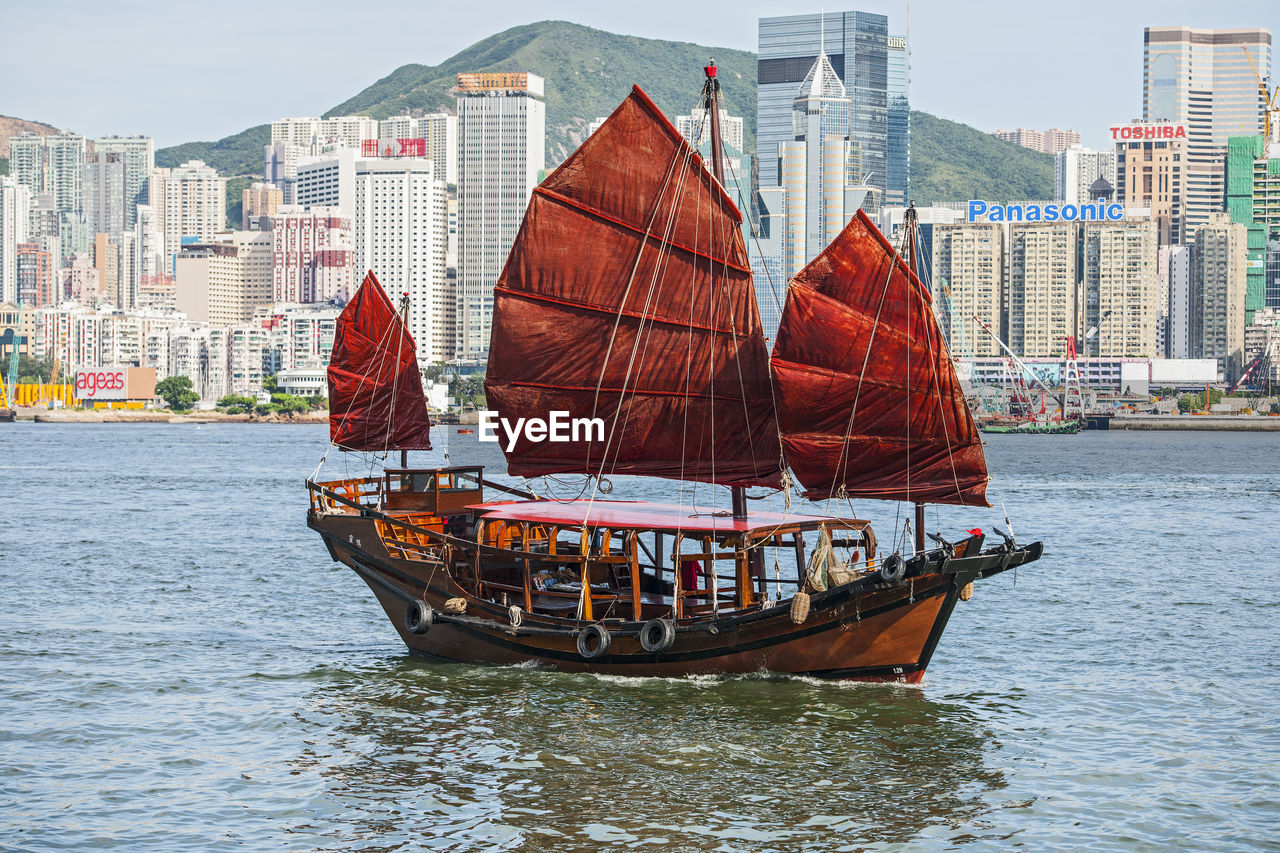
(181, 71)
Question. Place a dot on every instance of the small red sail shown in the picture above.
(628, 297)
(375, 390)
(868, 399)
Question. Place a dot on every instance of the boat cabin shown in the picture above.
(636, 560)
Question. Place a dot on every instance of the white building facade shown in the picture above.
(501, 150)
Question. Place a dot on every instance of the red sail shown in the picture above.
(375, 390)
(628, 297)
(868, 399)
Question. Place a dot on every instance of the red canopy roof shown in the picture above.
(645, 515)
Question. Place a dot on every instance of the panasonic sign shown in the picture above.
(981, 211)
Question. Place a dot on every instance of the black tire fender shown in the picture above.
(593, 641)
(893, 569)
(419, 617)
(657, 635)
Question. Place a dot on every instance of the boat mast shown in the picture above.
(404, 317)
(711, 100)
(910, 224)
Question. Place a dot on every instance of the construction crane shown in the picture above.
(9, 382)
(1270, 100)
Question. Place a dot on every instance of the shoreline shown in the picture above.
(1197, 423)
(127, 416)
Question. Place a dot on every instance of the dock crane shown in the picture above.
(1027, 370)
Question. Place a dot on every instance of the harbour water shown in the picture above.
(182, 667)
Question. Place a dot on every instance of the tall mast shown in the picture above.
(711, 100)
(404, 317)
(909, 223)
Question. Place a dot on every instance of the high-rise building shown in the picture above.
(348, 131)
(190, 202)
(1273, 274)
(438, 133)
(696, 128)
(150, 266)
(1049, 141)
(816, 168)
(327, 181)
(138, 156)
(501, 150)
(870, 64)
(313, 251)
(1076, 168)
(50, 164)
(37, 277)
(1044, 283)
(898, 162)
(1205, 79)
(1178, 324)
(1151, 174)
(15, 206)
(105, 198)
(1218, 293)
(968, 276)
(221, 281)
(258, 203)
(1121, 287)
(400, 228)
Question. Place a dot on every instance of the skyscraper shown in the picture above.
(15, 203)
(138, 156)
(501, 150)
(190, 202)
(1121, 287)
(1043, 286)
(1218, 292)
(49, 164)
(968, 276)
(105, 196)
(816, 167)
(1205, 79)
(872, 66)
(399, 231)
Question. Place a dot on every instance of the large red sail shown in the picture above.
(375, 390)
(868, 400)
(628, 297)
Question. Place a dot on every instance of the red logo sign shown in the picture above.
(1149, 131)
(96, 383)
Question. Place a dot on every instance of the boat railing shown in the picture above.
(336, 496)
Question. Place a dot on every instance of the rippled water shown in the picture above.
(182, 667)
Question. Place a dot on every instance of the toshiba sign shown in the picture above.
(1134, 132)
(116, 383)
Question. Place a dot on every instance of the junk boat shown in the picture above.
(628, 299)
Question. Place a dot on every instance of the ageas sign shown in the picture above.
(115, 383)
(105, 384)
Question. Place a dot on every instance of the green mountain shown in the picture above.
(955, 162)
(236, 155)
(588, 72)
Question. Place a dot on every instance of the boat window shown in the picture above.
(422, 482)
(462, 481)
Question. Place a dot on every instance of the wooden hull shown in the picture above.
(863, 630)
